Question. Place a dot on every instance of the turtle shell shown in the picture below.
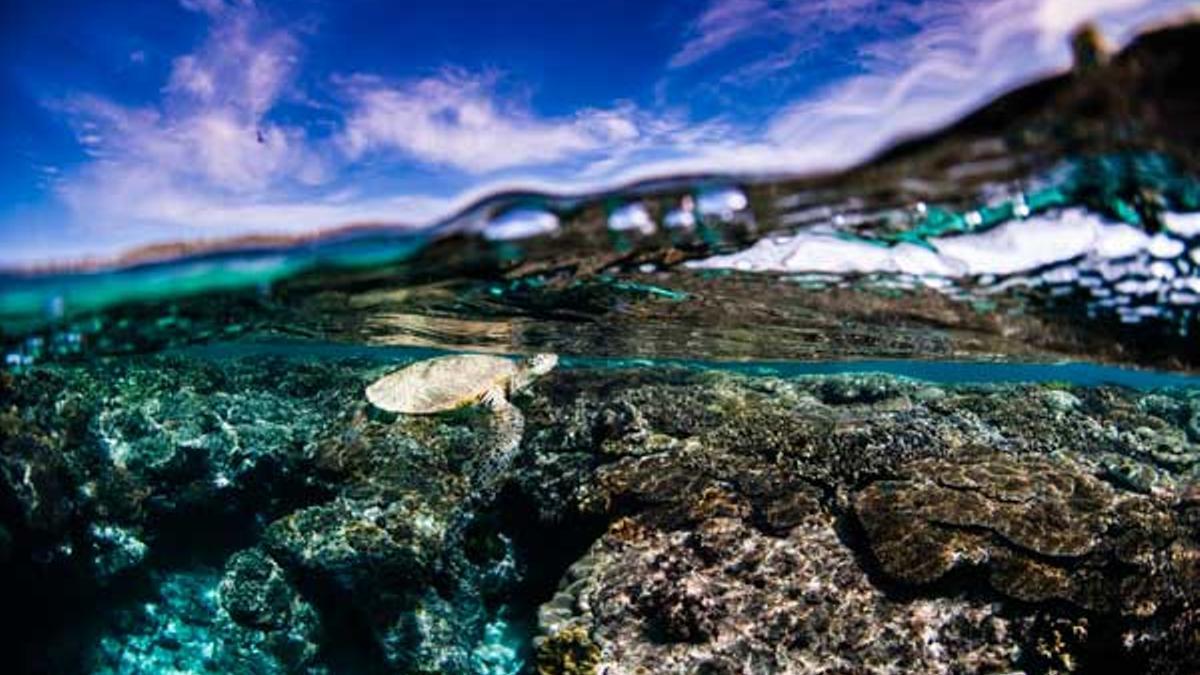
(440, 384)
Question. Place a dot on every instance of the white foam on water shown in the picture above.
(1061, 275)
(1165, 246)
(1183, 224)
(520, 224)
(631, 217)
(722, 203)
(680, 219)
(1162, 269)
(1013, 247)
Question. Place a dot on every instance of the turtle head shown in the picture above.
(540, 364)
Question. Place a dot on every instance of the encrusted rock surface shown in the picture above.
(250, 621)
(878, 487)
(272, 619)
(1042, 528)
(690, 521)
(723, 596)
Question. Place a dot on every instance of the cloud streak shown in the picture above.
(960, 56)
(213, 157)
(456, 119)
(209, 141)
(804, 22)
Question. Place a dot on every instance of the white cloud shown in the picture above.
(724, 22)
(209, 159)
(954, 63)
(242, 66)
(1059, 17)
(458, 120)
(210, 7)
(208, 148)
(806, 22)
(960, 56)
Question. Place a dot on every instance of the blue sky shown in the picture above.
(129, 121)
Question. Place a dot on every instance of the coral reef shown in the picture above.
(724, 597)
(264, 616)
(820, 477)
(1042, 528)
(198, 623)
(691, 522)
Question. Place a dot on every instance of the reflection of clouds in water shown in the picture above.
(520, 224)
(1009, 248)
(722, 203)
(631, 217)
(1120, 267)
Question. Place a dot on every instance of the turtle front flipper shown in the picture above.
(490, 473)
(508, 425)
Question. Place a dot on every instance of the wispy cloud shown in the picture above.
(805, 22)
(723, 23)
(243, 65)
(208, 142)
(958, 55)
(213, 156)
(457, 119)
(959, 59)
(210, 159)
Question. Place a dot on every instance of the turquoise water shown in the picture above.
(941, 372)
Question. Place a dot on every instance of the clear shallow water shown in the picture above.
(1076, 258)
(807, 367)
(940, 372)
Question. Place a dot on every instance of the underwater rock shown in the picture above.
(725, 597)
(359, 545)
(384, 559)
(1002, 477)
(601, 441)
(500, 651)
(268, 615)
(568, 651)
(176, 631)
(36, 475)
(254, 591)
(428, 637)
(209, 441)
(132, 444)
(116, 550)
(866, 388)
(187, 629)
(704, 501)
(1043, 529)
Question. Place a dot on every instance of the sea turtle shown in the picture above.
(449, 382)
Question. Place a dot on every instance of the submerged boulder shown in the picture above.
(188, 626)
(384, 560)
(1042, 529)
(987, 516)
(357, 545)
(264, 616)
(723, 596)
